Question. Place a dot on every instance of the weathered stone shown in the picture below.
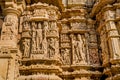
(59, 39)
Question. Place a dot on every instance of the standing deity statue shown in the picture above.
(39, 36)
(34, 36)
(79, 55)
(44, 41)
(26, 47)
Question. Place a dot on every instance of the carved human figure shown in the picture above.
(26, 26)
(26, 47)
(9, 21)
(79, 55)
(39, 36)
(52, 14)
(52, 27)
(40, 12)
(75, 25)
(65, 27)
(36, 12)
(66, 56)
(9, 33)
(34, 36)
(44, 46)
(44, 41)
(43, 12)
(51, 46)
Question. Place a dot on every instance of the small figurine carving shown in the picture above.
(40, 12)
(10, 20)
(66, 56)
(51, 50)
(26, 26)
(26, 47)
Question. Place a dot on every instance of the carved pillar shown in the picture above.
(9, 40)
(113, 36)
(9, 31)
(93, 46)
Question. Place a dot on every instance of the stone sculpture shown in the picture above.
(78, 50)
(39, 36)
(26, 47)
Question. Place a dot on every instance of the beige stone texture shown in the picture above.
(59, 40)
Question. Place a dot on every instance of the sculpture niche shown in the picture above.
(78, 47)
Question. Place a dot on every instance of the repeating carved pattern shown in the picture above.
(55, 43)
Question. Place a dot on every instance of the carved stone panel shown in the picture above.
(26, 47)
(65, 56)
(51, 48)
(94, 59)
(79, 54)
(78, 25)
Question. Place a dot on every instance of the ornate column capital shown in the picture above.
(11, 10)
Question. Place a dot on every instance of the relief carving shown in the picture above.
(78, 25)
(40, 12)
(10, 28)
(65, 37)
(51, 47)
(26, 47)
(79, 55)
(45, 29)
(53, 30)
(65, 56)
(45, 38)
(52, 14)
(39, 36)
(94, 59)
(34, 45)
(26, 26)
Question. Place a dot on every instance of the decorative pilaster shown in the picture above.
(113, 36)
(9, 31)
(9, 53)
